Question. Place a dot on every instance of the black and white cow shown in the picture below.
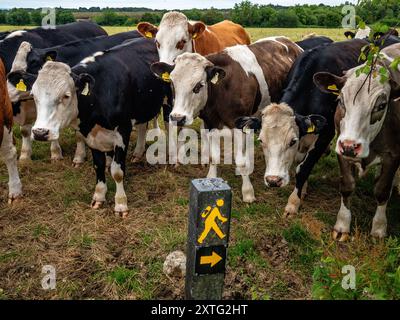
(4, 34)
(304, 117)
(313, 42)
(368, 122)
(103, 97)
(28, 61)
(301, 127)
(44, 38)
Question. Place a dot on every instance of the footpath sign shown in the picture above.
(208, 237)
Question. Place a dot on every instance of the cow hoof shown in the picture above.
(56, 158)
(249, 199)
(378, 234)
(136, 159)
(14, 199)
(122, 215)
(290, 212)
(24, 159)
(340, 236)
(77, 165)
(97, 204)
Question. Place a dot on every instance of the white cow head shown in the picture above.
(174, 36)
(364, 104)
(55, 93)
(281, 133)
(190, 78)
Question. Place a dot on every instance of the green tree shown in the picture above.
(285, 19)
(151, 17)
(3, 17)
(246, 14)
(212, 16)
(18, 17)
(36, 18)
(64, 16)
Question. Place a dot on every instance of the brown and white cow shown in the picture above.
(177, 35)
(368, 122)
(7, 149)
(222, 87)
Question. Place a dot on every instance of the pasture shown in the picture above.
(97, 255)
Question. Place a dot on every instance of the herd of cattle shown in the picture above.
(297, 95)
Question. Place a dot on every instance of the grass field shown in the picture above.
(97, 255)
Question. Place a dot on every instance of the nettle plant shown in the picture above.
(371, 54)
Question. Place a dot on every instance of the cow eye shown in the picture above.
(181, 44)
(198, 87)
(379, 107)
(293, 142)
(377, 113)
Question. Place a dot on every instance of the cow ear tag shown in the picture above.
(49, 58)
(85, 91)
(215, 79)
(21, 86)
(148, 35)
(195, 35)
(311, 128)
(334, 89)
(166, 77)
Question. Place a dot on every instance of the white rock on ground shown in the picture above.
(175, 264)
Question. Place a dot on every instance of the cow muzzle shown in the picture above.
(179, 119)
(40, 134)
(274, 181)
(349, 148)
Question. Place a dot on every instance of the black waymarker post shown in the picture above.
(209, 223)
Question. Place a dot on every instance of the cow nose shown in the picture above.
(180, 120)
(40, 134)
(273, 181)
(350, 148)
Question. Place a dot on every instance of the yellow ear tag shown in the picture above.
(194, 36)
(85, 90)
(165, 76)
(148, 35)
(334, 89)
(349, 37)
(215, 79)
(311, 129)
(21, 86)
(48, 58)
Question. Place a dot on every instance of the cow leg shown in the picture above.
(118, 168)
(156, 125)
(242, 162)
(26, 148)
(99, 162)
(214, 151)
(80, 152)
(140, 143)
(56, 152)
(341, 230)
(383, 190)
(9, 154)
(304, 170)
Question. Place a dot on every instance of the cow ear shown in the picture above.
(147, 30)
(50, 56)
(215, 74)
(84, 84)
(196, 30)
(162, 70)
(329, 83)
(312, 124)
(22, 80)
(349, 35)
(248, 123)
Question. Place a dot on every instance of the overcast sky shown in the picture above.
(153, 4)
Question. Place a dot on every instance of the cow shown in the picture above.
(8, 151)
(313, 41)
(221, 87)
(366, 32)
(301, 127)
(177, 35)
(29, 60)
(4, 34)
(44, 38)
(103, 97)
(368, 124)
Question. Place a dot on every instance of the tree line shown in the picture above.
(245, 13)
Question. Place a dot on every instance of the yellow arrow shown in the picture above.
(213, 259)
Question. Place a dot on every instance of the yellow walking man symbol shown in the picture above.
(211, 215)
